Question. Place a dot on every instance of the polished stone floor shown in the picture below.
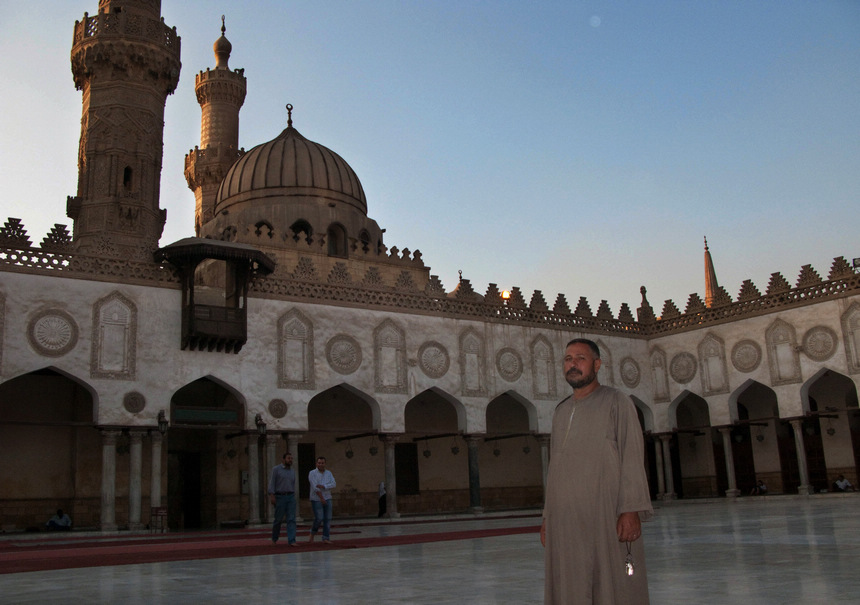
(755, 550)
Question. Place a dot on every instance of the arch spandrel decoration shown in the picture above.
(473, 373)
(782, 353)
(851, 337)
(389, 358)
(295, 351)
(114, 338)
(713, 367)
(543, 369)
(659, 375)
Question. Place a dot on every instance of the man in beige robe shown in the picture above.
(596, 492)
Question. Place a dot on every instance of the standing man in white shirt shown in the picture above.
(322, 482)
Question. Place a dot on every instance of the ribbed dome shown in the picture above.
(288, 165)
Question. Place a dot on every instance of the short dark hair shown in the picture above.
(321, 458)
(595, 350)
(284, 457)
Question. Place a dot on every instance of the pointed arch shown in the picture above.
(511, 412)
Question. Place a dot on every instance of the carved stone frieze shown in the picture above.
(52, 333)
(433, 359)
(746, 355)
(819, 343)
(509, 364)
(607, 372)
(343, 353)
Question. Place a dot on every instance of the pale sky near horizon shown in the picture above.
(579, 147)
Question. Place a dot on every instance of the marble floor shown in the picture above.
(754, 550)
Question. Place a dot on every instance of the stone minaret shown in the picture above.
(711, 285)
(125, 60)
(221, 93)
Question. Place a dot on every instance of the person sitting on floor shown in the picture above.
(759, 490)
(59, 522)
(842, 485)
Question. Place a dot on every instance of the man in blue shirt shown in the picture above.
(322, 482)
(282, 494)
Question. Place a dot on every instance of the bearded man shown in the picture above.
(596, 493)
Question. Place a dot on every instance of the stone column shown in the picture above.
(135, 477)
(805, 487)
(272, 441)
(733, 491)
(544, 441)
(669, 494)
(658, 462)
(108, 511)
(388, 442)
(473, 441)
(293, 448)
(155, 474)
(253, 478)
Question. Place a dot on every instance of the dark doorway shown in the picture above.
(406, 468)
(307, 463)
(183, 490)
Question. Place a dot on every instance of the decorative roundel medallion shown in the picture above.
(683, 368)
(630, 373)
(746, 355)
(133, 402)
(277, 408)
(343, 353)
(819, 343)
(433, 359)
(53, 333)
(509, 364)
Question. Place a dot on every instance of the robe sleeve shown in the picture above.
(634, 495)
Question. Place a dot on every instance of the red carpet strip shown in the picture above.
(30, 555)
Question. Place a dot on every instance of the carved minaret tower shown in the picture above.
(221, 93)
(711, 285)
(125, 60)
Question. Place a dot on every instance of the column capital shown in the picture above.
(274, 437)
(110, 435)
(390, 437)
(136, 434)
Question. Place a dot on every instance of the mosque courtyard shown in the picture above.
(774, 549)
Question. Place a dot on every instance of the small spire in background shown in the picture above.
(711, 285)
(289, 115)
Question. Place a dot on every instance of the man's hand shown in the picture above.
(272, 498)
(543, 533)
(629, 528)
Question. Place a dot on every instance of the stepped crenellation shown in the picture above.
(307, 279)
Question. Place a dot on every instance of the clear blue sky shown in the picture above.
(583, 148)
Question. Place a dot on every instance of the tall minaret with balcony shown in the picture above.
(221, 93)
(125, 60)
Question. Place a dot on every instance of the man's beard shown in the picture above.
(583, 380)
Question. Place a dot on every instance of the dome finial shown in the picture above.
(223, 25)
(222, 47)
(289, 115)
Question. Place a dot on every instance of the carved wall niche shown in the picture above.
(295, 351)
(114, 339)
(712, 363)
(2, 323)
(851, 337)
(782, 353)
(473, 381)
(389, 357)
(52, 333)
(543, 369)
(659, 375)
(607, 372)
